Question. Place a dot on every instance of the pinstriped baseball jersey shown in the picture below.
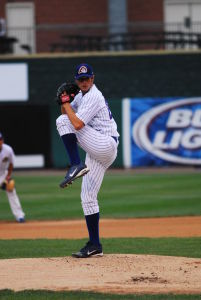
(6, 157)
(93, 110)
(95, 138)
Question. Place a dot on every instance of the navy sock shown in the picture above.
(93, 228)
(70, 143)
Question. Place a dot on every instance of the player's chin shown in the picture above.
(84, 88)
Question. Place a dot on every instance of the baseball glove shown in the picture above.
(8, 185)
(66, 92)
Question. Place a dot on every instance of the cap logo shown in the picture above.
(82, 70)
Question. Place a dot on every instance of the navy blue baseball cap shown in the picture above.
(1, 136)
(84, 70)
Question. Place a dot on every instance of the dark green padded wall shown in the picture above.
(154, 75)
(118, 76)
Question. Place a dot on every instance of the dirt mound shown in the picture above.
(119, 274)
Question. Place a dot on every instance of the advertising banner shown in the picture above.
(161, 131)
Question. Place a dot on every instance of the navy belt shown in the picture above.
(115, 138)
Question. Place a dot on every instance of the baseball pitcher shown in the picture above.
(87, 121)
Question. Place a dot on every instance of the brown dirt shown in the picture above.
(112, 274)
(120, 273)
(75, 229)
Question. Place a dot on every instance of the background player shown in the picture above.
(88, 122)
(6, 168)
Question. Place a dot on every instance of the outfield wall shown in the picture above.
(29, 125)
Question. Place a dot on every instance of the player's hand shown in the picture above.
(3, 185)
(8, 185)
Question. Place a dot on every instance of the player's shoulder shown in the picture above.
(96, 92)
(7, 148)
(94, 89)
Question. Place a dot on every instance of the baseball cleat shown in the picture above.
(73, 173)
(89, 250)
(21, 220)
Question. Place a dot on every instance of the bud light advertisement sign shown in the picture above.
(161, 131)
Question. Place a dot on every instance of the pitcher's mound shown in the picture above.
(122, 273)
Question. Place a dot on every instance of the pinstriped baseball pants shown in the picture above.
(100, 150)
(13, 200)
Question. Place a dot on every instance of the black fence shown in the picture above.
(68, 38)
(128, 41)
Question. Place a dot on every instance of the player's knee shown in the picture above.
(61, 120)
(63, 125)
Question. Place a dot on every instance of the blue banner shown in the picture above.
(162, 131)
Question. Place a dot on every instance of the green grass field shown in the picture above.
(127, 196)
(43, 295)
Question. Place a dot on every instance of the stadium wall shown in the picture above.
(118, 75)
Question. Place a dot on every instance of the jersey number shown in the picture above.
(109, 111)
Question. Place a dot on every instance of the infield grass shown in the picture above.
(121, 196)
(186, 247)
(44, 295)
